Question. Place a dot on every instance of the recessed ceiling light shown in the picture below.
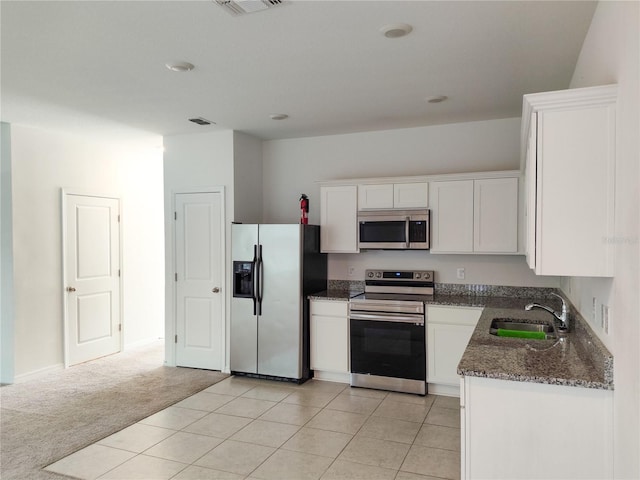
(396, 30)
(278, 116)
(180, 66)
(436, 98)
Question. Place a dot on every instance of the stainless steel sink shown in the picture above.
(516, 325)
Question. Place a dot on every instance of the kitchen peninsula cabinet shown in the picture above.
(448, 332)
(393, 195)
(339, 219)
(568, 148)
(475, 215)
(522, 430)
(329, 338)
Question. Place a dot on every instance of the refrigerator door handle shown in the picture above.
(254, 289)
(260, 276)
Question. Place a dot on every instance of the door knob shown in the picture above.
(215, 290)
(71, 289)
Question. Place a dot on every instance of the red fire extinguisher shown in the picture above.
(304, 209)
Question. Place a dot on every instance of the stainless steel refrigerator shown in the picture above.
(275, 267)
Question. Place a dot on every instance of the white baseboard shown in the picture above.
(36, 374)
(332, 376)
(444, 390)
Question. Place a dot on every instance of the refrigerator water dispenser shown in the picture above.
(243, 279)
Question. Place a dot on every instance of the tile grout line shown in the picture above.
(330, 394)
(352, 439)
(299, 428)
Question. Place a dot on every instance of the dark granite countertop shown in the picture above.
(577, 359)
(336, 295)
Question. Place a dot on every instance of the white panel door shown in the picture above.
(92, 277)
(199, 297)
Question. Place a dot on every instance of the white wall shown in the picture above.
(141, 182)
(247, 166)
(295, 166)
(611, 54)
(479, 269)
(202, 160)
(43, 162)
(7, 354)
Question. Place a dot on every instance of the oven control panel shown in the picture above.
(399, 275)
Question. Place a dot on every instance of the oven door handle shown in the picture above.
(413, 319)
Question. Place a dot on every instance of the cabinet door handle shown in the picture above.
(215, 290)
(71, 289)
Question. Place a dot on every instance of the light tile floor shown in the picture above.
(256, 429)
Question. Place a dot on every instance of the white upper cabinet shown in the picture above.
(375, 196)
(569, 142)
(390, 195)
(339, 219)
(495, 213)
(473, 213)
(475, 216)
(452, 216)
(411, 195)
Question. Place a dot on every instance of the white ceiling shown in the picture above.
(324, 63)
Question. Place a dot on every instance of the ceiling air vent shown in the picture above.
(240, 7)
(201, 121)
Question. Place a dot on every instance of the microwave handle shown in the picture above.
(406, 230)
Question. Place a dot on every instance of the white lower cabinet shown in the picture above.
(329, 338)
(448, 332)
(522, 430)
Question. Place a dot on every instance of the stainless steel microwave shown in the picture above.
(393, 229)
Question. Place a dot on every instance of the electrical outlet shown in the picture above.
(351, 271)
(605, 319)
(460, 273)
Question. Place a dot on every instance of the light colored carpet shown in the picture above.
(47, 419)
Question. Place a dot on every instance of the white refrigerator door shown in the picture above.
(244, 324)
(280, 324)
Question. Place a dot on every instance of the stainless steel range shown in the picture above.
(388, 342)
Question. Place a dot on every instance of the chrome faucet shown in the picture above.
(562, 316)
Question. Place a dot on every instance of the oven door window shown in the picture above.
(388, 349)
(383, 232)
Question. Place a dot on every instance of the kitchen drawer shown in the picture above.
(453, 315)
(331, 308)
